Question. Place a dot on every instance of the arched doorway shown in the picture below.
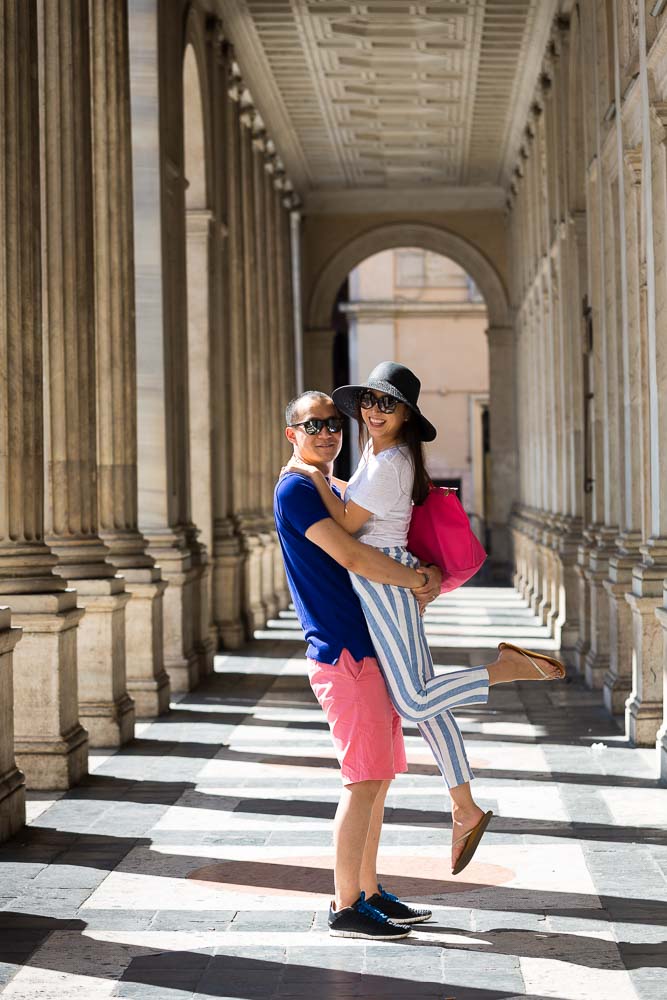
(423, 310)
(499, 432)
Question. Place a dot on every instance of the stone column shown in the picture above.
(644, 709)
(162, 388)
(618, 679)
(200, 236)
(51, 745)
(230, 407)
(286, 383)
(147, 680)
(266, 373)
(502, 396)
(18, 58)
(250, 519)
(69, 383)
(572, 523)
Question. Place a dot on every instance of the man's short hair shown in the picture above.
(293, 407)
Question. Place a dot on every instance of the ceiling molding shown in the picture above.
(257, 75)
(536, 36)
(355, 201)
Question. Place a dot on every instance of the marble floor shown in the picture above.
(196, 862)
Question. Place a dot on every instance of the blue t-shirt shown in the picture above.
(326, 605)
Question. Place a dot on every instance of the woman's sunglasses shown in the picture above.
(314, 426)
(385, 404)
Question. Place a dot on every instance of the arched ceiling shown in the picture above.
(392, 94)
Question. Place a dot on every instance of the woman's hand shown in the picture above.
(297, 464)
(430, 589)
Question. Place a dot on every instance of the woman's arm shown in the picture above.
(340, 484)
(349, 516)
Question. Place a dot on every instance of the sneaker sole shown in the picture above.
(416, 920)
(367, 937)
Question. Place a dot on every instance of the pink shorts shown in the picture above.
(365, 726)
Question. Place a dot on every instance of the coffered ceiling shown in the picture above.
(364, 97)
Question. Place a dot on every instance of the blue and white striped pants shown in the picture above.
(397, 631)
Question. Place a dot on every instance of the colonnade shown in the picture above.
(146, 354)
(588, 221)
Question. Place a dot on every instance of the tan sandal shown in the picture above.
(473, 838)
(529, 654)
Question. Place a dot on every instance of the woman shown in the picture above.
(377, 507)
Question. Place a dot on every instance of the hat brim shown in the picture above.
(346, 399)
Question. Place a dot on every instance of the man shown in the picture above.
(343, 671)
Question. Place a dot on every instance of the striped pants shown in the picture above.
(397, 631)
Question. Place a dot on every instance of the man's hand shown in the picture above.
(431, 588)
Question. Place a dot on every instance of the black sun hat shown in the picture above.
(393, 379)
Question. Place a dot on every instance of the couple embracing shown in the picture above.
(359, 595)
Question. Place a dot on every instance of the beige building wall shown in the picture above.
(422, 309)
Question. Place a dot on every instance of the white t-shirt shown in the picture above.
(383, 484)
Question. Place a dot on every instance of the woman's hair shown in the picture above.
(412, 439)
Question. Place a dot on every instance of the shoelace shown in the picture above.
(363, 906)
(388, 895)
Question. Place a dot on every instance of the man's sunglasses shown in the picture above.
(385, 404)
(314, 426)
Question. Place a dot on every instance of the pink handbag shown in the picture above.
(440, 533)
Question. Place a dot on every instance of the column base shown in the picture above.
(109, 723)
(661, 746)
(596, 667)
(618, 679)
(12, 803)
(644, 711)
(12, 781)
(643, 720)
(51, 745)
(173, 554)
(54, 764)
(147, 679)
(254, 612)
(228, 585)
(268, 574)
(206, 634)
(661, 739)
(105, 707)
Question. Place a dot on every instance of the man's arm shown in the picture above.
(359, 558)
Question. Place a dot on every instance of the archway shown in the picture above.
(318, 350)
(424, 311)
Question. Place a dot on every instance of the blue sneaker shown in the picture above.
(396, 909)
(361, 920)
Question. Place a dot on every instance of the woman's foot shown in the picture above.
(515, 664)
(463, 821)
